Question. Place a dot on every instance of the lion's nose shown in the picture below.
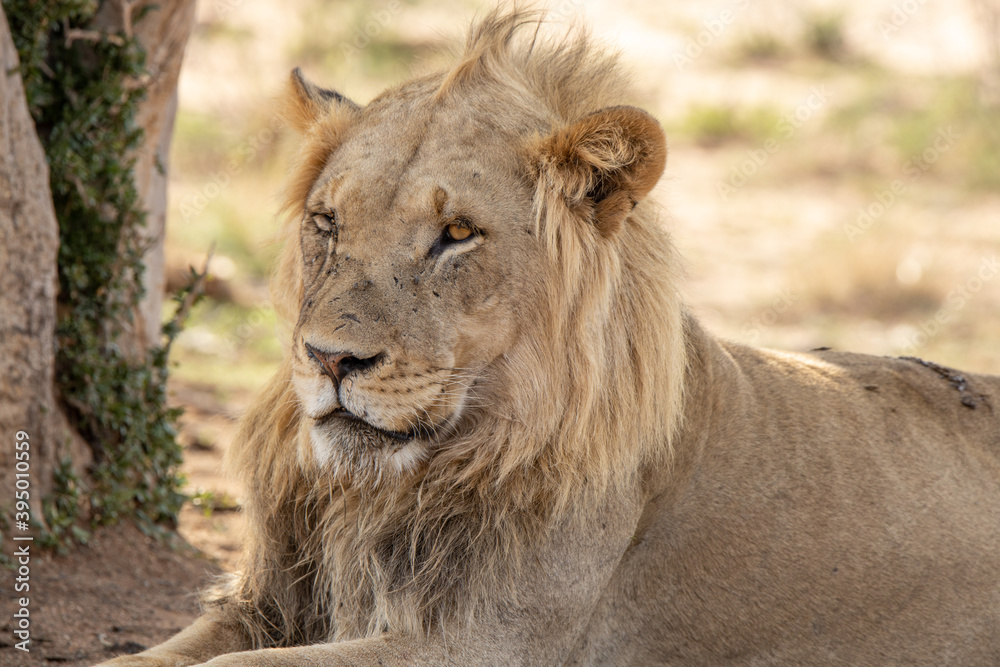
(339, 365)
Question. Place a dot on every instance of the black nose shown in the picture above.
(339, 365)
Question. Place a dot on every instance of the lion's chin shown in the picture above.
(356, 422)
(349, 446)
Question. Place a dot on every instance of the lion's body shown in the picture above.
(498, 439)
(824, 508)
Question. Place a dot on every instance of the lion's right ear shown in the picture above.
(304, 103)
(604, 164)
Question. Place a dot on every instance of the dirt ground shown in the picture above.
(120, 594)
(124, 591)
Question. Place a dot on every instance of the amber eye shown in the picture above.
(457, 232)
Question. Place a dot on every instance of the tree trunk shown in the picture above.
(29, 241)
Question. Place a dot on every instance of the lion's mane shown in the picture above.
(591, 394)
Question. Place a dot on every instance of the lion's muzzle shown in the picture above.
(337, 366)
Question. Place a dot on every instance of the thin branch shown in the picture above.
(127, 7)
(95, 36)
(196, 289)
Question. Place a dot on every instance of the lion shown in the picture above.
(499, 437)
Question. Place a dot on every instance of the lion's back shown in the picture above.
(882, 400)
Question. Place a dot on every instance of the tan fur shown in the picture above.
(554, 464)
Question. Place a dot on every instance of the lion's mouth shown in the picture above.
(359, 423)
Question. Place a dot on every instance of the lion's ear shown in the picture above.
(304, 103)
(605, 163)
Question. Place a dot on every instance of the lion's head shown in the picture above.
(461, 251)
(410, 288)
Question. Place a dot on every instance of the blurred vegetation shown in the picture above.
(872, 286)
(209, 502)
(761, 46)
(824, 35)
(712, 125)
(925, 141)
(819, 34)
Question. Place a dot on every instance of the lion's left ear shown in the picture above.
(604, 163)
(305, 103)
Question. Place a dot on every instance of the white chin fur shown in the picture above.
(407, 458)
(398, 462)
(322, 448)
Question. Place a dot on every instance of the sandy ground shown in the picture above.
(120, 594)
(125, 591)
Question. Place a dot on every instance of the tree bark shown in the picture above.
(163, 32)
(29, 244)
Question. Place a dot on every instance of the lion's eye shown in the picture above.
(455, 232)
(326, 223)
(460, 235)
